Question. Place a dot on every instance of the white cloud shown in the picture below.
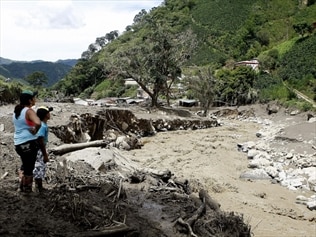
(61, 29)
(50, 15)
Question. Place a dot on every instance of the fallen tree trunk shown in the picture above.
(63, 149)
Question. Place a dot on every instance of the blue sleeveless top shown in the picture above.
(22, 132)
(43, 132)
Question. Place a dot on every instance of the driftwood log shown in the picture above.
(65, 148)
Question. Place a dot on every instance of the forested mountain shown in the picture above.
(53, 71)
(184, 37)
(5, 61)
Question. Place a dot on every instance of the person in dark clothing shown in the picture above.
(26, 125)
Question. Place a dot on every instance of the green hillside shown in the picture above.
(180, 36)
(242, 29)
(298, 66)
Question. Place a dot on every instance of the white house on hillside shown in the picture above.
(141, 94)
(254, 64)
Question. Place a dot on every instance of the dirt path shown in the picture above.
(301, 95)
(304, 97)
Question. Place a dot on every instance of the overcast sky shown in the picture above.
(61, 29)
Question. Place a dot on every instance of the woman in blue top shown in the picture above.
(26, 125)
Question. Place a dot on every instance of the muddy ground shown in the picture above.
(202, 190)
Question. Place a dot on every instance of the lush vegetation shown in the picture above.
(9, 92)
(176, 38)
(20, 70)
(301, 73)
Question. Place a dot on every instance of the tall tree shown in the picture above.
(111, 35)
(202, 86)
(101, 41)
(139, 17)
(156, 61)
(235, 87)
(37, 78)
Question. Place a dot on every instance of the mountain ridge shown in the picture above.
(70, 62)
(17, 70)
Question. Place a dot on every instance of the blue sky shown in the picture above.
(61, 29)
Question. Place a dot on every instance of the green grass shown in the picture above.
(105, 85)
(298, 104)
(277, 92)
(286, 46)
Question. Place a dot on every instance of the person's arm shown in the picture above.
(43, 148)
(31, 115)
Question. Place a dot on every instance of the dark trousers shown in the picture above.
(28, 152)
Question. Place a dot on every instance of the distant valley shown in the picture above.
(18, 70)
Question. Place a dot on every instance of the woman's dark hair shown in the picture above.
(24, 101)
